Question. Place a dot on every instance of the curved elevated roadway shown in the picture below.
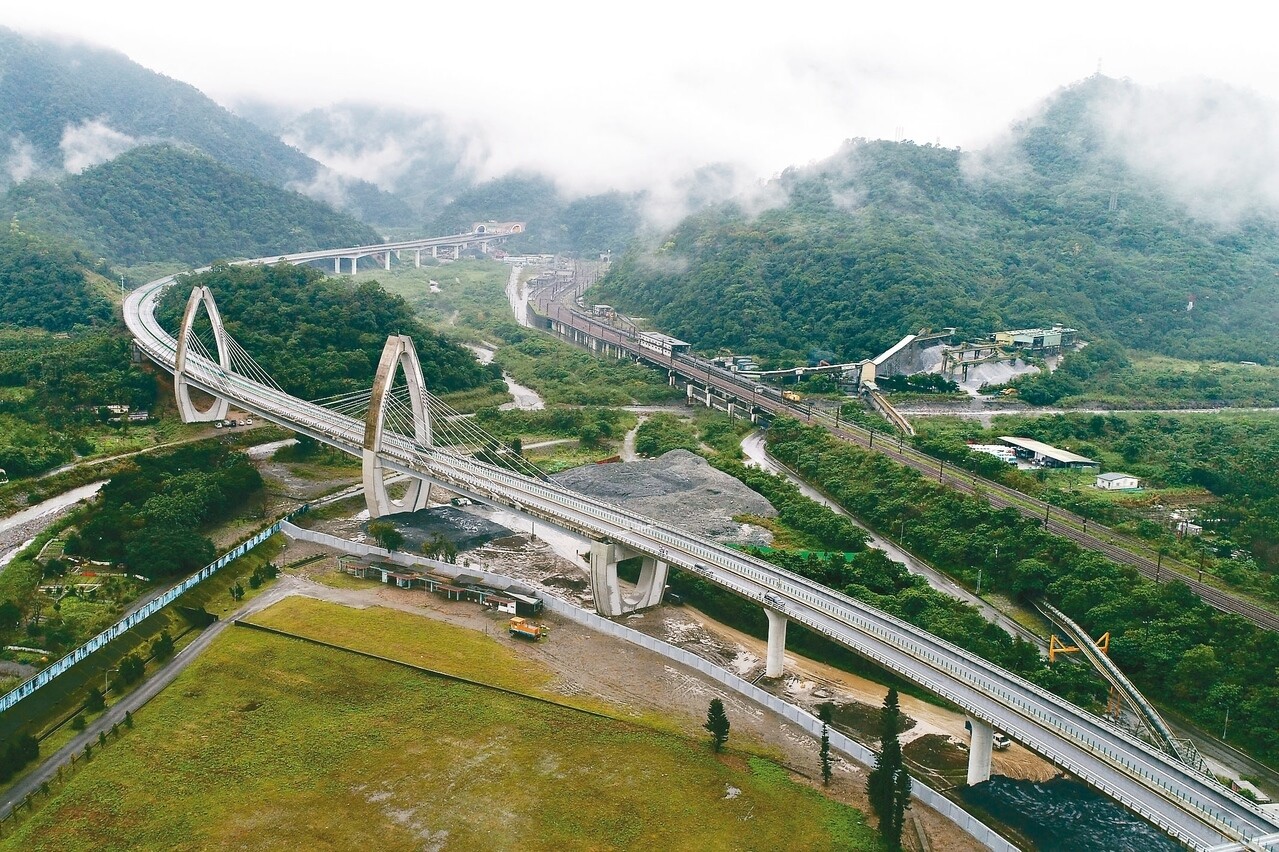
(558, 305)
(1197, 811)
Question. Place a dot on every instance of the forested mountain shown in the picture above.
(885, 238)
(66, 106)
(320, 336)
(587, 225)
(44, 286)
(159, 203)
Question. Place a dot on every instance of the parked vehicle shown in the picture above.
(526, 629)
(999, 742)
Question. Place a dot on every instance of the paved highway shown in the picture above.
(1190, 807)
(559, 305)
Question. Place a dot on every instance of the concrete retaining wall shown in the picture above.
(797, 716)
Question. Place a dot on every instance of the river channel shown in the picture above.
(1061, 814)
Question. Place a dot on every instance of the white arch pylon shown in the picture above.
(187, 409)
(398, 352)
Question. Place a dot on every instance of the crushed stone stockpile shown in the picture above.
(680, 488)
(995, 373)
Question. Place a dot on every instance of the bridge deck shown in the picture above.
(1193, 809)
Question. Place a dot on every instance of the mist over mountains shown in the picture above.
(1142, 214)
(1059, 223)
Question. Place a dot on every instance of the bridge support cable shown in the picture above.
(463, 431)
(247, 366)
(200, 297)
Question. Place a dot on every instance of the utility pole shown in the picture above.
(1159, 564)
(1047, 506)
(1201, 563)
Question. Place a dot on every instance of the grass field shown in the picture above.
(269, 742)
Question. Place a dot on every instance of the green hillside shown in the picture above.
(885, 238)
(47, 87)
(44, 286)
(321, 336)
(66, 106)
(159, 203)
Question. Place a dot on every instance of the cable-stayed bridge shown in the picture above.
(399, 426)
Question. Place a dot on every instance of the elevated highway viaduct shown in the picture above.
(1190, 807)
(557, 312)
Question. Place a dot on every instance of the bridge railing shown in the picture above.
(1017, 695)
(480, 478)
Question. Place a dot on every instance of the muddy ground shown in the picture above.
(642, 682)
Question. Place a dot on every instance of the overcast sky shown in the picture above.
(601, 93)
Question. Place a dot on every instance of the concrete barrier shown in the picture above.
(801, 718)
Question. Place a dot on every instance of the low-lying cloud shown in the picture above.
(20, 163)
(92, 142)
(1213, 147)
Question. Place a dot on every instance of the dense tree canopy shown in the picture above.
(161, 203)
(886, 238)
(1159, 633)
(52, 390)
(319, 336)
(150, 516)
(45, 286)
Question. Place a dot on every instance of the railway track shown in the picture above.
(560, 304)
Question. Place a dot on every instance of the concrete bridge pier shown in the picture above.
(386, 261)
(979, 751)
(337, 266)
(776, 643)
(670, 378)
(417, 259)
(609, 600)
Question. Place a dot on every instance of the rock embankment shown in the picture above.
(680, 488)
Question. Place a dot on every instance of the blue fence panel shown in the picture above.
(43, 677)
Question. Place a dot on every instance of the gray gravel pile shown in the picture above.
(679, 488)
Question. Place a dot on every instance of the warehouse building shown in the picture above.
(1048, 341)
(1046, 455)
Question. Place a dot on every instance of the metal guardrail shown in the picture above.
(1067, 735)
(796, 715)
(45, 676)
